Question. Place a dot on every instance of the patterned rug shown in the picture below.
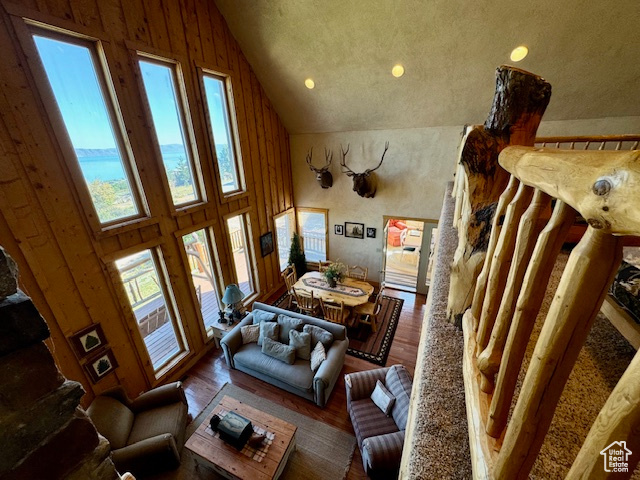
(363, 343)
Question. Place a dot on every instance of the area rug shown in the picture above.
(322, 452)
(363, 343)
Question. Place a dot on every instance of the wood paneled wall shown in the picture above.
(67, 267)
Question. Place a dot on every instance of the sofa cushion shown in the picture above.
(398, 382)
(277, 350)
(301, 341)
(319, 335)
(170, 418)
(262, 316)
(268, 329)
(369, 421)
(383, 399)
(298, 375)
(318, 355)
(250, 333)
(287, 324)
(112, 419)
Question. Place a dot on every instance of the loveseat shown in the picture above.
(380, 436)
(297, 377)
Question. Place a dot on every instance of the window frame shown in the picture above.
(188, 132)
(60, 131)
(325, 212)
(226, 78)
(288, 211)
(245, 214)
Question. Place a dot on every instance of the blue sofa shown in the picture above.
(297, 378)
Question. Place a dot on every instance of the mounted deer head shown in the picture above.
(365, 183)
(323, 175)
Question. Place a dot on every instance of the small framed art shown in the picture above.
(88, 340)
(371, 232)
(101, 364)
(266, 244)
(338, 229)
(353, 230)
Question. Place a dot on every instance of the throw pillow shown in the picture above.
(319, 335)
(263, 316)
(250, 333)
(317, 356)
(286, 325)
(280, 351)
(383, 398)
(398, 382)
(301, 341)
(269, 330)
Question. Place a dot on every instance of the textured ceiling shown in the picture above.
(588, 50)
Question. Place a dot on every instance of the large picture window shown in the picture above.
(285, 227)
(80, 90)
(166, 103)
(312, 227)
(239, 235)
(217, 91)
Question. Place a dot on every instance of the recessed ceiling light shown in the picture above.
(309, 83)
(519, 53)
(397, 71)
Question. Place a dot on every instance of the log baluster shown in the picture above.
(498, 218)
(527, 307)
(589, 271)
(619, 420)
(531, 224)
(500, 263)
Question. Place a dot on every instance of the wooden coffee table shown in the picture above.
(229, 462)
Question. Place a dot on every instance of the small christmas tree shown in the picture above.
(296, 256)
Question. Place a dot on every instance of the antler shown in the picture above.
(328, 158)
(343, 162)
(386, 147)
(309, 156)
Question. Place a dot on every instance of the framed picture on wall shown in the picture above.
(353, 230)
(266, 244)
(88, 340)
(371, 232)
(101, 364)
(338, 229)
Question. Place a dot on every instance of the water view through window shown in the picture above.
(168, 121)
(78, 89)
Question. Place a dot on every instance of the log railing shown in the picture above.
(602, 186)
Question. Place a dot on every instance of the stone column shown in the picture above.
(43, 431)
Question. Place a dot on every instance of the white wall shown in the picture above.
(411, 182)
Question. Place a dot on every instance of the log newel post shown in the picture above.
(520, 100)
(583, 286)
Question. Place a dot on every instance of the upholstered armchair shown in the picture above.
(380, 437)
(146, 434)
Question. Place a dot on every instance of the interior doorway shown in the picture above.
(406, 252)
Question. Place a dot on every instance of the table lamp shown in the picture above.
(233, 300)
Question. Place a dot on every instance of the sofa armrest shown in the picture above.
(329, 370)
(232, 341)
(147, 456)
(360, 385)
(382, 453)
(164, 395)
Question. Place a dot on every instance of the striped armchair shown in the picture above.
(380, 438)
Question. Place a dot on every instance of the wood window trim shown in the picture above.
(324, 211)
(138, 53)
(100, 52)
(288, 211)
(239, 166)
(253, 267)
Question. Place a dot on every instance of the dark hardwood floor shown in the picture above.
(209, 375)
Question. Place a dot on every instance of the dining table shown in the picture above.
(350, 291)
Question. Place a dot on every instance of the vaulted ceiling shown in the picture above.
(588, 50)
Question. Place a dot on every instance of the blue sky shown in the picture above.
(72, 78)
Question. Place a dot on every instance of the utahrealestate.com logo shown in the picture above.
(616, 457)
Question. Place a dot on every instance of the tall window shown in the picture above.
(224, 132)
(167, 110)
(199, 254)
(145, 283)
(80, 90)
(312, 227)
(285, 226)
(242, 256)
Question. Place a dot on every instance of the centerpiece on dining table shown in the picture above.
(335, 273)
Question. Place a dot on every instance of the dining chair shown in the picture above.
(358, 273)
(368, 313)
(306, 303)
(322, 266)
(334, 313)
(290, 278)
